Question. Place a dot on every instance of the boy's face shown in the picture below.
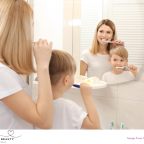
(117, 61)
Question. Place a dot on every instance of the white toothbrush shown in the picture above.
(107, 41)
(125, 68)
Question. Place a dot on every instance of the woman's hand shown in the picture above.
(42, 52)
(116, 43)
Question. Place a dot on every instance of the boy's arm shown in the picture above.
(92, 119)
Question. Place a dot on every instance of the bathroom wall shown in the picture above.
(48, 21)
(119, 106)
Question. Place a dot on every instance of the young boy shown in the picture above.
(120, 72)
(67, 114)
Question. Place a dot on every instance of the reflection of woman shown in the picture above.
(17, 109)
(94, 62)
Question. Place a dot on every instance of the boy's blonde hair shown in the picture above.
(16, 35)
(120, 51)
(61, 63)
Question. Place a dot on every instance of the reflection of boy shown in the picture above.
(120, 72)
(67, 114)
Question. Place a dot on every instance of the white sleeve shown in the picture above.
(84, 57)
(10, 82)
(78, 115)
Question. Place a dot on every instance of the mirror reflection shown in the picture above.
(120, 105)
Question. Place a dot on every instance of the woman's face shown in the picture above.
(104, 33)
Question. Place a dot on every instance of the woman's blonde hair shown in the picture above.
(95, 44)
(61, 63)
(120, 51)
(16, 35)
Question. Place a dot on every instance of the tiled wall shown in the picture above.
(120, 104)
(117, 104)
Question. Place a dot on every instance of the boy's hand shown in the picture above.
(133, 69)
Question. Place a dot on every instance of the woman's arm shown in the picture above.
(39, 113)
(116, 43)
(83, 68)
(92, 119)
(42, 52)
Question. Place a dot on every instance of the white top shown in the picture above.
(67, 114)
(97, 64)
(10, 83)
(112, 78)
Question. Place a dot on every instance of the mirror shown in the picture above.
(71, 26)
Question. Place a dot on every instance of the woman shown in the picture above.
(17, 109)
(95, 61)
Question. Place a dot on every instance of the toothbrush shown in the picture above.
(125, 68)
(107, 41)
(76, 85)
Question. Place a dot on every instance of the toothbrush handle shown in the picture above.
(76, 85)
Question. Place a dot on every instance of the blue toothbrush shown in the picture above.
(76, 85)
